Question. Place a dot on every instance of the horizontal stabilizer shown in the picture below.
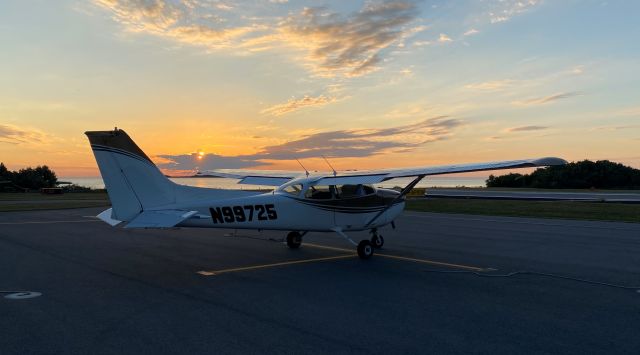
(160, 219)
(106, 216)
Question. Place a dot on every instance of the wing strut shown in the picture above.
(403, 193)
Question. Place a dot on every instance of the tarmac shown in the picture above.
(617, 197)
(439, 285)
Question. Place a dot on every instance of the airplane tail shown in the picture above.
(133, 182)
(137, 188)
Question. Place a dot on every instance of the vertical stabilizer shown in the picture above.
(133, 182)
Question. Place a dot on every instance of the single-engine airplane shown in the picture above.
(142, 197)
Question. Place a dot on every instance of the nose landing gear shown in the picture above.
(377, 241)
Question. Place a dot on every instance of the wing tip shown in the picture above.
(550, 161)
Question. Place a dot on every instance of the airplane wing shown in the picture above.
(277, 178)
(373, 177)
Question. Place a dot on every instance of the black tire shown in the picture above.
(294, 239)
(365, 249)
(377, 241)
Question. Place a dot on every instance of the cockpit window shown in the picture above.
(351, 191)
(293, 189)
(322, 192)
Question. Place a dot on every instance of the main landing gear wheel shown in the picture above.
(294, 239)
(365, 249)
(377, 241)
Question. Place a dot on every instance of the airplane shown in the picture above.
(143, 197)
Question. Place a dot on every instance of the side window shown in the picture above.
(319, 192)
(351, 191)
(293, 189)
(368, 190)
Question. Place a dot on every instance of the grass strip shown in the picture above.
(9, 207)
(36, 196)
(594, 211)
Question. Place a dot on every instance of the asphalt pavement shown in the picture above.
(439, 285)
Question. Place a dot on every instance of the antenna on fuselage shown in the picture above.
(305, 169)
(334, 170)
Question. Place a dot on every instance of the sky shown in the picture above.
(206, 84)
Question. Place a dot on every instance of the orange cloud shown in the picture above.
(10, 134)
(491, 85)
(297, 104)
(334, 45)
(350, 46)
(546, 99)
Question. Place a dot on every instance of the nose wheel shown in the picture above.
(365, 249)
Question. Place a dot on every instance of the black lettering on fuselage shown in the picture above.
(216, 215)
(240, 214)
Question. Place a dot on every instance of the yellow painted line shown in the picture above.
(422, 261)
(45, 222)
(265, 266)
(326, 247)
(431, 262)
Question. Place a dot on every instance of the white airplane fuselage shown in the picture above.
(281, 211)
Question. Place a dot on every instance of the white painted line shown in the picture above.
(43, 222)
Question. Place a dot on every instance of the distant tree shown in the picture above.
(35, 178)
(602, 174)
(5, 174)
(509, 180)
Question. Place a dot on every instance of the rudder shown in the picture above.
(132, 180)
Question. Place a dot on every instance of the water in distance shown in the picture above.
(222, 183)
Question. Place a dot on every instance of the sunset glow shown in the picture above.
(369, 84)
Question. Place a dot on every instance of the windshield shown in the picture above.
(293, 189)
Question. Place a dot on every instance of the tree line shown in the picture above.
(586, 174)
(28, 178)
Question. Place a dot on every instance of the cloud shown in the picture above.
(615, 128)
(353, 45)
(444, 38)
(334, 144)
(491, 85)
(11, 134)
(333, 45)
(209, 161)
(209, 37)
(361, 143)
(297, 104)
(471, 32)
(140, 15)
(189, 22)
(527, 128)
(504, 10)
(547, 99)
(421, 43)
